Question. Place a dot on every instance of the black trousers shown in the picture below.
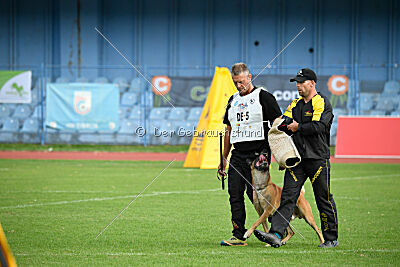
(319, 173)
(239, 172)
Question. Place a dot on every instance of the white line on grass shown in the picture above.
(106, 198)
(364, 177)
(219, 252)
(151, 194)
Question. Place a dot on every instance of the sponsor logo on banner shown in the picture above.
(82, 102)
(15, 86)
(338, 84)
(161, 85)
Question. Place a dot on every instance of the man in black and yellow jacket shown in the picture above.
(309, 118)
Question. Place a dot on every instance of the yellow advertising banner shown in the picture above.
(204, 148)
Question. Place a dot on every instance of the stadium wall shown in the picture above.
(171, 35)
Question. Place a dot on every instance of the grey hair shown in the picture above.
(239, 68)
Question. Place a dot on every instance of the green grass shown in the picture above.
(108, 148)
(103, 148)
(51, 212)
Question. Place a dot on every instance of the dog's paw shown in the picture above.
(247, 235)
(267, 245)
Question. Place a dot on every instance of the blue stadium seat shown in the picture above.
(127, 132)
(177, 114)
(377, 112)
(5, 111)
(194, 114)
(22, 112)
(147, 98)
(127, 127)
(367, 101)
(82, 80)
(9, 131)
(391, 88)
(37, 113)
(395, 113)
(10, 125)
(137, 113)
(30, 126)
(164, 133)
(122, 83)
(34, 98)
(101, 80)
(30, 131)
(128, 99)
(123, 112)
(137, 85)
(158, 113)
(385, 103)
(184, 132)
(62, 80)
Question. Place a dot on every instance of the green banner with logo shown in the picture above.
(15, 86)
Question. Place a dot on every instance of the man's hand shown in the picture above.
(221, 171)
(294, 126)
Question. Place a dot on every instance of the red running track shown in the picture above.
(134, 156)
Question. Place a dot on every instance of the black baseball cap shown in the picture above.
(304, 75)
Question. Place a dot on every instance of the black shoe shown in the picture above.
(329, 244)
(268, 238)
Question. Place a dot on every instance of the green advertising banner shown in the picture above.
(15, 86)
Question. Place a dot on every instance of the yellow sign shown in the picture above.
(204, 149)
(5, 252)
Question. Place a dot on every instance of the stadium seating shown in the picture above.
(30, 126)
(367, 102)
(122, 84)
(177, 113)
(195, 113)
(128, 99)
(137, 85)
(158, 113)
(163, 133)
(30, 131)
(391, 88)
(123, 112)
(127, 132)
(9, 130)
(101, 80)
(184, 132)
(34, 98)
(137, 113)
(22, 112)
(37, 113)
(5, 111)
(385, 103)
(377, 113)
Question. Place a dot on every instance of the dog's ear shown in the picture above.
(249, 161)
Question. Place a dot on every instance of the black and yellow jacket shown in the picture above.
(312, 138)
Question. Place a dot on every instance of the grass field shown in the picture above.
(51, 212)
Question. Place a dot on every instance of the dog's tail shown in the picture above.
(303, 189)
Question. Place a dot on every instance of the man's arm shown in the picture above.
(227, 147)
(321, 117)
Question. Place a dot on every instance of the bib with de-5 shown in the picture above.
(246, 117)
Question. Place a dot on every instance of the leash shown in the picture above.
(224, 175)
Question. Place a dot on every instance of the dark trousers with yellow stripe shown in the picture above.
(319, 173)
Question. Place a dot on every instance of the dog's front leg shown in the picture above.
(260, 220)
